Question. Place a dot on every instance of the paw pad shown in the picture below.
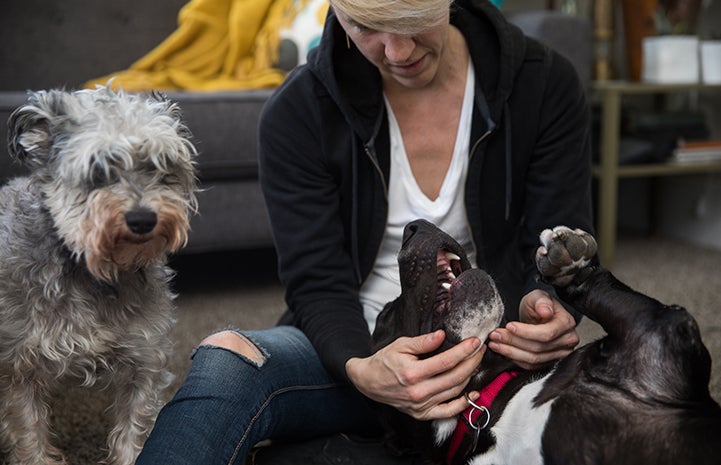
(563, 253)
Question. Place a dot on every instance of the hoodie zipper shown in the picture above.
(468, 222)
(374, 160)
(370, 153)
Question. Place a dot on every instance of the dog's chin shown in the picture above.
(130, 253)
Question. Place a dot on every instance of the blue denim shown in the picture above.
(229, 403)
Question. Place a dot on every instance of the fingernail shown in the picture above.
(476, 346)
(511, 327)
(474, 396)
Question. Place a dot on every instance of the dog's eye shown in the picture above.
(171, 180)
(101, 177)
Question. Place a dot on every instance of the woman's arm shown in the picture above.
(303, 201)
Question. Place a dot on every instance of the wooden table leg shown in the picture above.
(608, 179)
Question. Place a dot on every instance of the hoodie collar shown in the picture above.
(496, 48)
(355, 85)
(351, 80)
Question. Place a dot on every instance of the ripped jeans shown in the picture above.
(228, 403)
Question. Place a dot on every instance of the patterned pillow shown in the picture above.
(302, 35)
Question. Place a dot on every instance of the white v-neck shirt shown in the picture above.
(407, 202)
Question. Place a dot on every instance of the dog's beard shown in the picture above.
(108, 246)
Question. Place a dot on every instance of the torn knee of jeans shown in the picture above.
(238, 343)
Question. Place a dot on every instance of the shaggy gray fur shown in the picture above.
(84, 296)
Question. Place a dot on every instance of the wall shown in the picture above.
(692, 209)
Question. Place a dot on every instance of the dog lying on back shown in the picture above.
(637, 396)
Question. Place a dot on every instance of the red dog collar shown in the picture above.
(469, 423)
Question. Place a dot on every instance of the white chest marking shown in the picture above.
(519, 430)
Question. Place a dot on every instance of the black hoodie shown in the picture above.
(325, 161)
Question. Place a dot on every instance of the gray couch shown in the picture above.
(49, 43)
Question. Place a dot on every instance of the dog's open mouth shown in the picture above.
(449, 268)
(467, 302)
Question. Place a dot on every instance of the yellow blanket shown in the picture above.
(218, 45)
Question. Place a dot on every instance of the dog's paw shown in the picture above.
(563, 253)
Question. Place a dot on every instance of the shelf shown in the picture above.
(628, 88)
(608, 171)
(663, 169)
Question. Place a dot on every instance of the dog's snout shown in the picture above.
(141, 221)
(415, 227)
(409, 232)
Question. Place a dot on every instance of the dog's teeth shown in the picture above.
(446, 286)
(452, 256)
(450, 274)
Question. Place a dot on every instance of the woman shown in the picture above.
(407, 108)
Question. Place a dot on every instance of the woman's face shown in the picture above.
(409, 60)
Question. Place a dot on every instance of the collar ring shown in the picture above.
(481, 409)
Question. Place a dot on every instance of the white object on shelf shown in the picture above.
(711, 61)
(671, 59)
(697, 151)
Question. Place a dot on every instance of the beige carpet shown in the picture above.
(241, 290)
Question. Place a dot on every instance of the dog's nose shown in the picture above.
(416, 226)
(141, 221)
(409, 231)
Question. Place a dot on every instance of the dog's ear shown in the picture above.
(30, 134)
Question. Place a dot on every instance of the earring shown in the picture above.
(347, 41)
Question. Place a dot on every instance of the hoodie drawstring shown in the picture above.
(354, 212)
(509, 158)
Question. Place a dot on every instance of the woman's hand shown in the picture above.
(545, 332)
(425, 389)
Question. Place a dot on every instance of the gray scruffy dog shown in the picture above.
(84, 294)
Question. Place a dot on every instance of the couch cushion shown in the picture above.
(224, 127)
(232, 216)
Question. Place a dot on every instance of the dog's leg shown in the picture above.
(664, 338)
(565, 260)
(135, 408)
(24, 425)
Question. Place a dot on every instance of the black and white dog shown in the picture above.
(637, 396)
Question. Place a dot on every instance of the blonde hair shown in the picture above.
(397, 16)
